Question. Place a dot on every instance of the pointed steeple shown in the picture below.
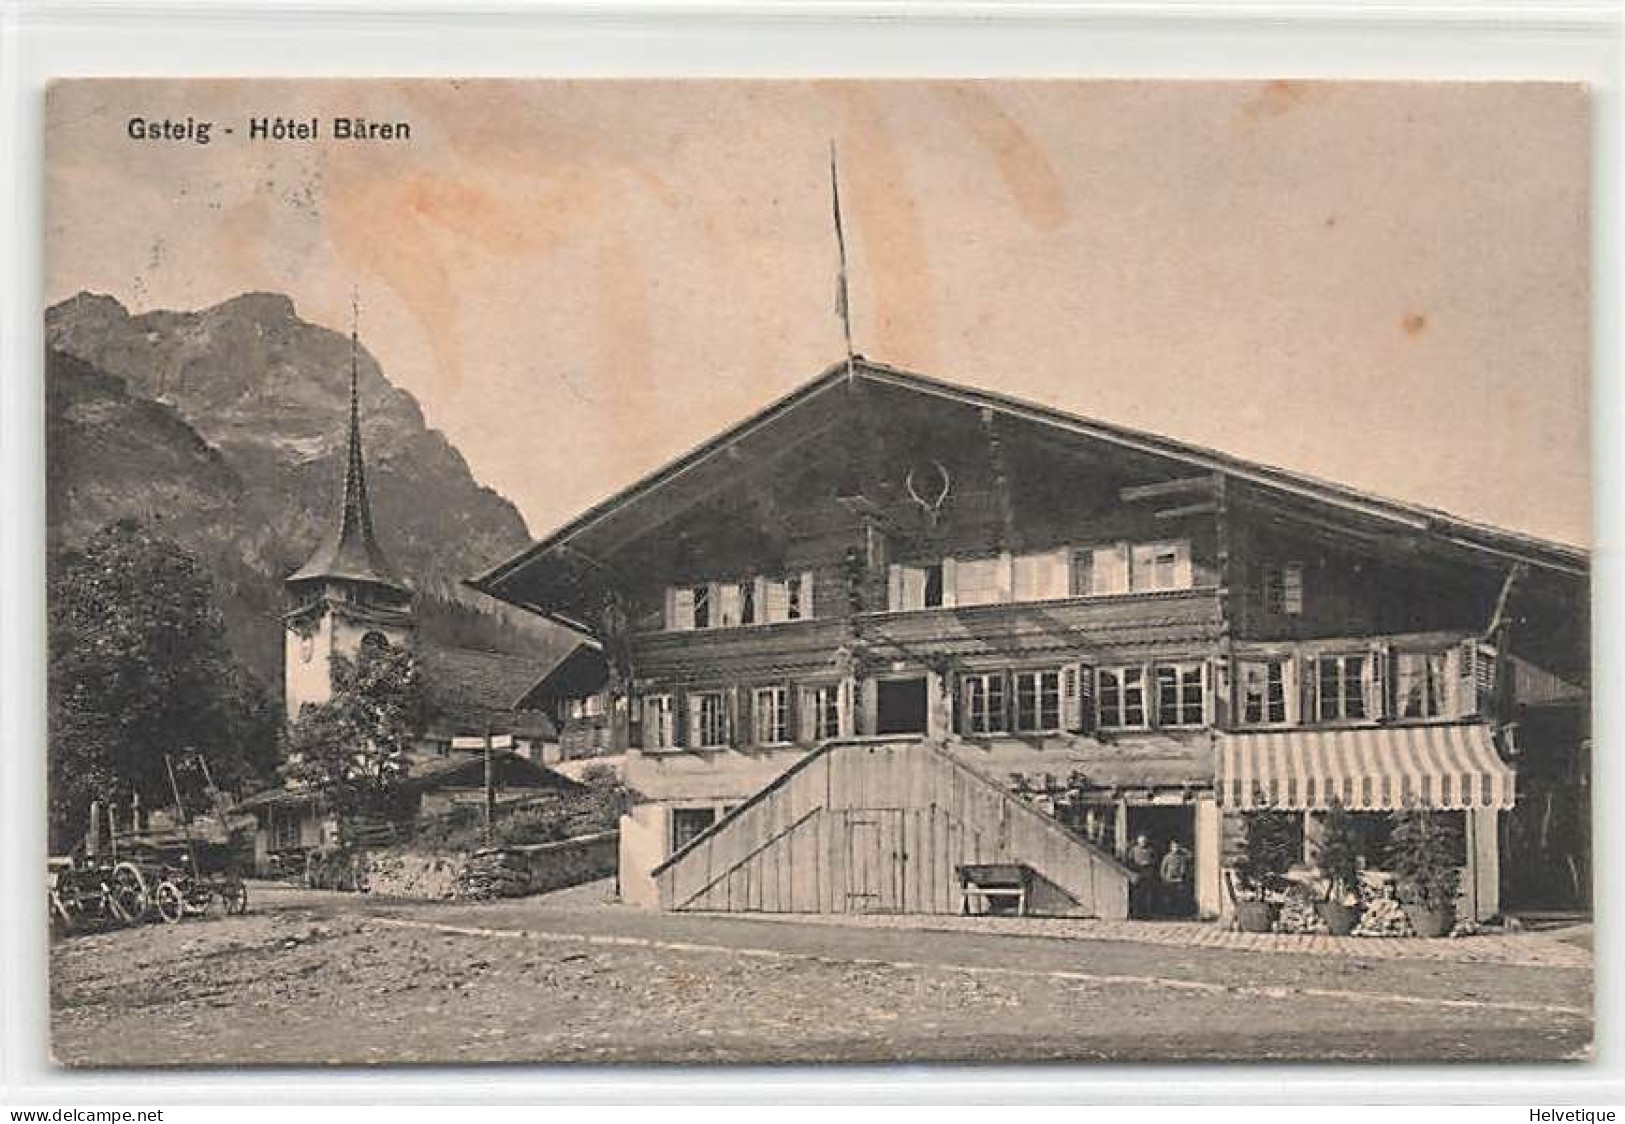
(349, 552)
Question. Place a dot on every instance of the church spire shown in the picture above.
(349, 552)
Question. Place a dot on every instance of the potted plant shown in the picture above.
(1271, 845)
(1338, 866)
(1425, 849)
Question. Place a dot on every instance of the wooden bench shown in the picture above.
(994, 882)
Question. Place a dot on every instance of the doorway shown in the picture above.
(900, 706)
(1162, 824)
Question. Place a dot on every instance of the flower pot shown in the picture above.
(1428, 921)
(1339, 918)
(1255, 917)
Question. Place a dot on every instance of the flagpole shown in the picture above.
(843, 306)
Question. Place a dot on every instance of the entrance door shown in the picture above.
(1161, 824)
(900, 706)
(874, 860)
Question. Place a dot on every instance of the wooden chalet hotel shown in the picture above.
(891, 627)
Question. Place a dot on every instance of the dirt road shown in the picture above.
(330, 979)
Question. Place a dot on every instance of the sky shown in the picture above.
(1381, 284)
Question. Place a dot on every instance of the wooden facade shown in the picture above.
(882, 826)
(831, 580)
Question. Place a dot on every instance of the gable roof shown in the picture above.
(761, 427)
(469, 689)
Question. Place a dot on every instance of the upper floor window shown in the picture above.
(1341, 688)
(917, 587)
(770, 710)
(1263, 689)
(1120, 696)
(733, 603)
(1179, 694)
(1283, 588)
(708, 719)
(983, 700)
(1161, 565)
(1038, 701)
(1419, 684)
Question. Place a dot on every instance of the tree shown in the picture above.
(139, 668)
(353, 747)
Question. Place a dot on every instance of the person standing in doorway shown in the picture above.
(1142, 864)
(1175, 876)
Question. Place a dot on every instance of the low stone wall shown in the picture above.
(569, 862)
(546, 866)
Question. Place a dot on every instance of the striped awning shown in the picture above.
(1377, 769)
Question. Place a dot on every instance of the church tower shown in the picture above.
(347, 595)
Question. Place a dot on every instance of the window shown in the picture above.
(1419, 684)
(284, 829)
(916, 587)
(983, 697)
(659, 722)
(795, 599)
(708, 720)
(747, 603)
(688, 823)
(979, 581)
(824, 706)
(730, 604)
(770, 710)
(1161, 565)
(1179, 694)
(1283, 589)
(1038, 701)
(591, 706)
(1263, 691)
(1041, 577)
(700, 597)
(1121, 695)
(1340, 688)
(1108, 569)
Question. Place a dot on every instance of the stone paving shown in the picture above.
(1543, 949)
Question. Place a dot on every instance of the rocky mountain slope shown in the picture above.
(226, 428)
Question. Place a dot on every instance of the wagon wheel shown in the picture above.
(234, 894)
(61, 918)
(170, 901)
(128, 894)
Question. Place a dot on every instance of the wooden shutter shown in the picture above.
(806, 595)
(1006, 576)
(1293, 696)
(950, 576)
(1308, 689)
(741, 707)
(682, 609)
(1086, 698)
(894, 587)
(792, 712)
(1182, 565)
(846, 722)
(806, 712)
(681, 711)
(1210, 679)
(1462, 666)
(1109, 569)
(1376, 682)
(1071, 698)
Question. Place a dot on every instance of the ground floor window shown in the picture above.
(688, 823)
(284, 829)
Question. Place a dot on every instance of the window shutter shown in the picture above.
(682, 609)
(1210, 680)
(792, 711)
(1009, 700)
(683, 714)
(1082, 570)
(1376, 682)
(1086, 698)
(1182, 566)
(1289, 689)
(962, 719)
(950, 576)
(894, 587)
(845, 722)
(739, 703)
(806, 711)
(806, 595)
(1465, 675)
(1308, 686)
(1109, 569)
(1071, 694)
(1006, 576)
